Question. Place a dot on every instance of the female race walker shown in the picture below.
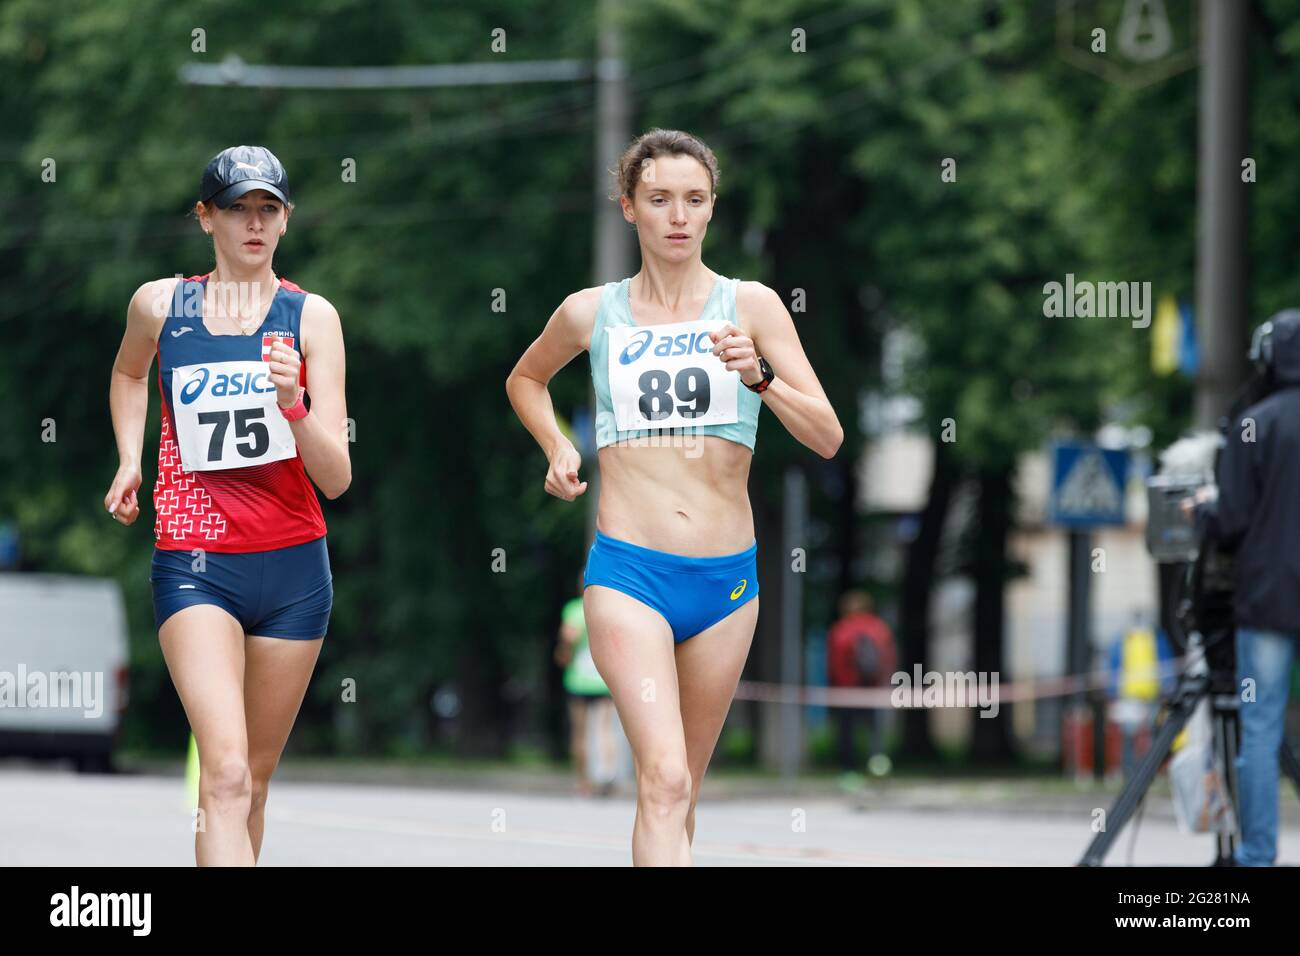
(671, 579)
(242, 588)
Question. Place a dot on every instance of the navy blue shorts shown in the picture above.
(287, 592)
(692, 594)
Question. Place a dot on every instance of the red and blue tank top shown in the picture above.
(230, 477)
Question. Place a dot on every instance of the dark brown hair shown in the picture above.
(660, 142)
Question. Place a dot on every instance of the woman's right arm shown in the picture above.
(128, 392)
(566, 334)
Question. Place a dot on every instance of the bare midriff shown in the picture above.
(684, 494)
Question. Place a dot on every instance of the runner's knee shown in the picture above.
(227, 780)
(664, 784)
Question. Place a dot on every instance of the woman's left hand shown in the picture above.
(736, 350)
(284, 369)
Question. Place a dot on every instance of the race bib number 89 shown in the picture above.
(666, 376)
(226, 416)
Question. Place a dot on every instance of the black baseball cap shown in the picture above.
(241, 169)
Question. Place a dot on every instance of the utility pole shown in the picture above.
(1221, 301)
(794, 535)
(612, 252)
(612, 255)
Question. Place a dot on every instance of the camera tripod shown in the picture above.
(1211, 673)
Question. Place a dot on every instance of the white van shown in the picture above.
(63, 667)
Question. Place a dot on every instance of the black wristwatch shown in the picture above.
(768, 375)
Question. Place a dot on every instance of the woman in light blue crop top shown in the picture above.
(681, 360)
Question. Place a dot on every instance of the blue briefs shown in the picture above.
(692, 594)
(286, 592)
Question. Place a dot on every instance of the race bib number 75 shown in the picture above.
(666, 376)
(226, 416)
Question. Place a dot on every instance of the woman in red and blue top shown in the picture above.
(241, 579)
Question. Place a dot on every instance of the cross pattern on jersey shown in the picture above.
(226, 416)
(665, 376)
(181, 509)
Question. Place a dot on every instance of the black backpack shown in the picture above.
(866, 655)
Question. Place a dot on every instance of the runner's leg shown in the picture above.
(204, 650)
(275, 681)
(708, 669)
(632, 646)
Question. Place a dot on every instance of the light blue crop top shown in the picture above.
(615, 309)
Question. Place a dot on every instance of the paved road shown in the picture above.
(57, 817)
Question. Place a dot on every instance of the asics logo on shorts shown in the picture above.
(739, 589)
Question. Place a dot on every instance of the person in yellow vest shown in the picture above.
(1136, 683)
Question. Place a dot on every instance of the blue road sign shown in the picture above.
(1087, 485)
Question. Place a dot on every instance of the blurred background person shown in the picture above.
(1138, 661)
(860, 652)
(593, 722)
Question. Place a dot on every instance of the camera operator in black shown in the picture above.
(1257, 511)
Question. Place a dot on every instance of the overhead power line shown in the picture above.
(233, 71)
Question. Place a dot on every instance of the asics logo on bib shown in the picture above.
(639, 343)
(739, 589)
(683, 344)
(240, 383)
